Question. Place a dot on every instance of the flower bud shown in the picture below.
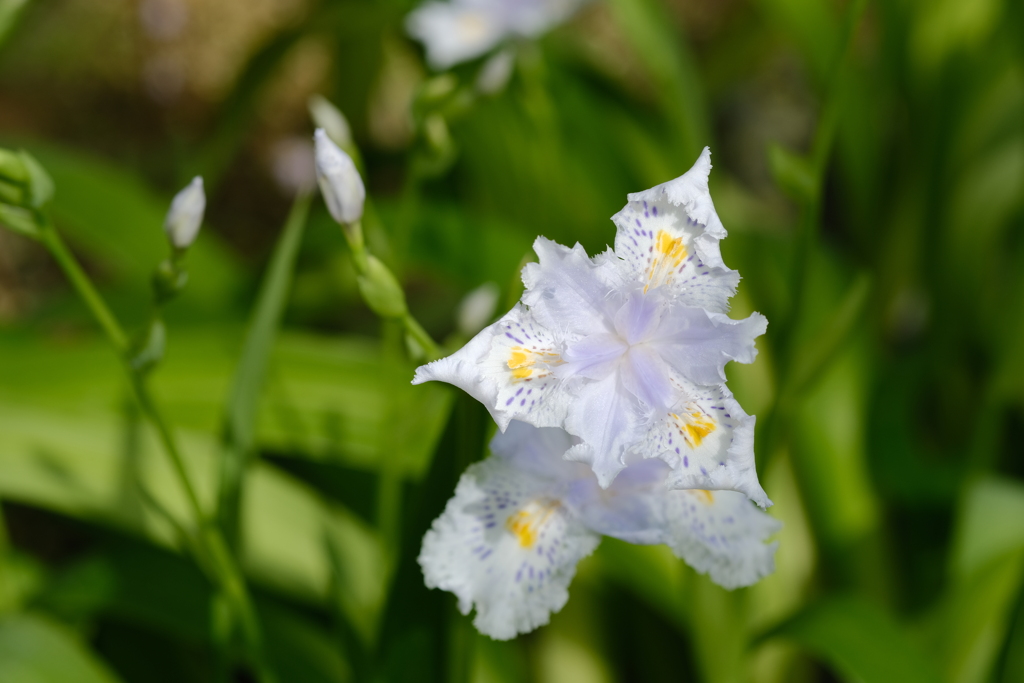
(186, 214)
(12, 169)
(339, 180)
(496, 72)
(325, 115)
(477, 309)
(381, 290)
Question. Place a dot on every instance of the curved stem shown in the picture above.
(211, 542)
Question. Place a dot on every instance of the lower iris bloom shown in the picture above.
(509, 540)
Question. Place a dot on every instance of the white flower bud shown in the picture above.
(477, 308)
(325, 115)
(496, 72)
(186, 214)
(339, 180)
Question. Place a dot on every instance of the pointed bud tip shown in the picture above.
(340, 182)
(328, 117)
(185, 216)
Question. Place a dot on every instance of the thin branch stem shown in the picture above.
(221, 563)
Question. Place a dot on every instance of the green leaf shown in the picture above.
(793, 173)
(10, 13)
(969, 624)
(300, 651)
(990, 526)
(250, 375)
(34, 649)
(859, 641)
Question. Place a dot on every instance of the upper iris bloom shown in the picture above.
(627, 350)
(509, 540)
(460, 30)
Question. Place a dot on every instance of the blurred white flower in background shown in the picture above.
(293, 165)
(460, 30)
(477, 308)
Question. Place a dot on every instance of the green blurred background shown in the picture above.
(868, 164)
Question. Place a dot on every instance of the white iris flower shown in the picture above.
(509, 540)
(459, 30)
(627, 350)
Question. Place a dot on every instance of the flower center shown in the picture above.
(526, 524)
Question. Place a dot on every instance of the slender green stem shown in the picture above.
(222, 564)
(169, 443)
(426, 342)
(83, 285)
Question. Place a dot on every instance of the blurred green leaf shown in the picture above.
(62, 448)
(299, 651)
(663, 52)
(250, 375)
(859, 641)
(326, 399)
(991, 525)
(969, 624)
(10, 13)
(34, 649)
(793, 173)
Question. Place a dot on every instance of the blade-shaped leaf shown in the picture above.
(250, 375)
(859, 641)
(34, 649)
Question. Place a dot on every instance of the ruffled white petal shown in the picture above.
(720, 533)
(464, 370)
(567, 292)
(668, 236)
(506, 545)
(698, 344)
(539, 451)
(708, 440)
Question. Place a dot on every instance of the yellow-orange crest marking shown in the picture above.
(526, 524)
(694, 427)
(669, 253)
(524, 363)
(703, 496)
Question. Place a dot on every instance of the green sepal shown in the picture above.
(169, 279)
(12, 169)
(381, 290)
(40, 185)
(19, 220)
(148, 351)
(11, 193)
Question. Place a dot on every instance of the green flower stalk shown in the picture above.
(344, 194)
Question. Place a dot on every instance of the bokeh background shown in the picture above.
(868, 164)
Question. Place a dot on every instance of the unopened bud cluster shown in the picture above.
(24, 188)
